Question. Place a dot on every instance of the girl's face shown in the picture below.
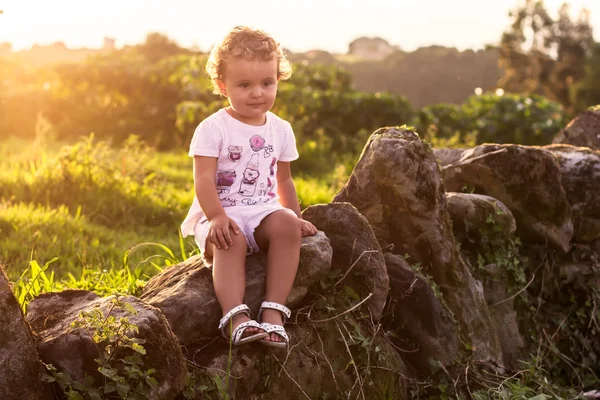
(251, 87)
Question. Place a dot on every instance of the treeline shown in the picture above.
(158, 91)
(426, 76)
(160, 95)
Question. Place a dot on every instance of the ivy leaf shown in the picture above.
(74, 395)
(108, 372)
(133, 360)
(139, 348)
(123, 388)
(110, 387)
(540, 397)
(153, 383)
(94, 394)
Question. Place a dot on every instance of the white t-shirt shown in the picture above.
(247, 160)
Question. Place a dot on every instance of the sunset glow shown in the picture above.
(463, 23)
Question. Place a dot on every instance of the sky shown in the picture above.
(300, 25)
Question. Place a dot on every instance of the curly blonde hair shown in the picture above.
(248, 43)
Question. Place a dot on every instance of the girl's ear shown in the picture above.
(222, 88)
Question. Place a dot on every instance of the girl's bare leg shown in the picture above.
(229, 278)
(280, 233)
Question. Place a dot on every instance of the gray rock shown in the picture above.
(185, 293)
(317, 365)
(580, 175)
(20, 366)
(526, 179)
(354, 246)
(474, 215)
(397, 186)
(584, 130)
(425, 327)
(448, 155)
(73, 351)
(504, 316)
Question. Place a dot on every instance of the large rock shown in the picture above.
(73, 351)
(397, 186)
(484, 226)
(355, 247)
(185, 293)
(20, 366)
(424, 327)
(504, 316)
(584, 130)
(526, 179)
(475, 215)
(317, 366)
(580, 174)
(448, 155)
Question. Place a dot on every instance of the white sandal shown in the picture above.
(272, 328)
(236, 335)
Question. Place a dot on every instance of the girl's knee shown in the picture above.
(239, 245)
(284, 224)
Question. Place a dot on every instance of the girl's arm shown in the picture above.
(206, 191)
(286, 188)
(288, 197)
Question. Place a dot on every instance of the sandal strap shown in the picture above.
(275, 306)
(278, 329)
(242, 308)
(241, 328)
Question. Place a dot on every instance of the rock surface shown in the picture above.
(20, 366)
(584, 130)
(476, 215)
(317, 366)
(580, 175)
(185, 293)
(73, 351)
(526, 179)
(425, 328)
(354, 247)
(397, 186)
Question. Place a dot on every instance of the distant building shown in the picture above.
(371, 48)
(109, 44)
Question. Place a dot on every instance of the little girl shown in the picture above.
(245, 196)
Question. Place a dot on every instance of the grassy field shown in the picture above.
(87, 211)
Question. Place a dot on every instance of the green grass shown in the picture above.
(29, 232)
(85, 205)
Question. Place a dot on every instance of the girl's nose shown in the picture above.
(255, 91)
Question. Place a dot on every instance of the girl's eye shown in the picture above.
(244, 85)
(267, 84)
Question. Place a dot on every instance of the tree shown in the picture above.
(543, 55)
(587, 91)
(158, 46)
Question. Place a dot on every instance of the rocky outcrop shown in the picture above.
(356, 252)
(584, 130)
(474, 215)
(322, 362)
(526, 179)
(20, 367)
(580, 177)
(397, 186)
(425, 329)
(185, 293)
(73, 350)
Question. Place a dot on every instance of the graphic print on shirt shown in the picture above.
(235, 153)
(257, 143)
(272, 173)
(268, 150)
(225, 180)
(251, 174)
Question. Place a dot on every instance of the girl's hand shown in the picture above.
(307, 228)
(219, 231)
